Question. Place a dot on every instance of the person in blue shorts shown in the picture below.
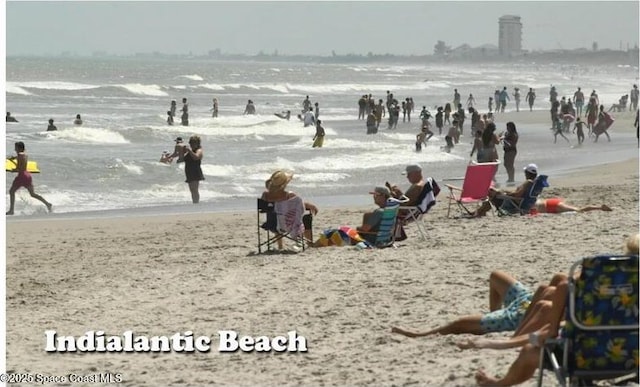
(510, 304)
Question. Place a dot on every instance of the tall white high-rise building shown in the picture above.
(510, 35)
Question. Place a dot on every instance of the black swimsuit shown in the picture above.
(192, 169)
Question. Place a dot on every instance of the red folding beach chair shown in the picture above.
(475, 188)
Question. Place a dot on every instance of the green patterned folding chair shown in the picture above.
(600, 337)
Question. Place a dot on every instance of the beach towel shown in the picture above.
(603, 124)
(343, 236)
(289, 214)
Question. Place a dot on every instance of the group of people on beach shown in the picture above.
(513, 306)
(485, 140)
(533, 317)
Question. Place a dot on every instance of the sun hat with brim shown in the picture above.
(279, 180)
(382, 191)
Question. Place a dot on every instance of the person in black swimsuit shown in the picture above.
(192, 158)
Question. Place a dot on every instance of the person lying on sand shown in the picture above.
(512, 306)
(558, 205)
(526, 364)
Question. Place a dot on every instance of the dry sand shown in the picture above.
(165, 274)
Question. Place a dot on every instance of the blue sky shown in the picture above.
(314, 28)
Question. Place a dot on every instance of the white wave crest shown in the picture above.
(140, 89)
(194, 77)
(54, 85)
(13, 89)
(85, 134)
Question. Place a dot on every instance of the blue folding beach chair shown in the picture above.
(522, 206)
(385, 236)
(600, 337)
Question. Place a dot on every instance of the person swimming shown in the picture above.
(284, 115)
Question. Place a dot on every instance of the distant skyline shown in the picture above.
(308, 28)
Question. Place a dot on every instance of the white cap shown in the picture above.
(531, 168)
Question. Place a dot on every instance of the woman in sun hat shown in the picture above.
(276, 191)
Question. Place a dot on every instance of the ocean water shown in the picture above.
(110, 163)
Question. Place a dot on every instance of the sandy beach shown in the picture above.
(158, 275)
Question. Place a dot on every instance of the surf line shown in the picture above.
(128, 341)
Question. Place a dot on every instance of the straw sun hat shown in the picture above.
(279, 180)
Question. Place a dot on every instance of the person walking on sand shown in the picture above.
(509, 142)
(318, 139)
(531, 98)
(192, 170)
(580, 132)
(557, 126)
(23, 179)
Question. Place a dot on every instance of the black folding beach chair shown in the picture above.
(269, 226)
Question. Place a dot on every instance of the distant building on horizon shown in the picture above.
(510, 35)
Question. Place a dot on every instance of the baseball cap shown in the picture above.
(531, 168)
(179, 139)
(412, 168)
(381, 190)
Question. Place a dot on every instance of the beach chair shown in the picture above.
(285, 219)
(475, 188)
(415, 214)
(522, 206)
(385, 236)
(600, 337)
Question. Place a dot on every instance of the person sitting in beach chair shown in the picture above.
(278, 204)
(376, 229)
(413, 196)
(589, 346)
(508, 202)
(415, 214)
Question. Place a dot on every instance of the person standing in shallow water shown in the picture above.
(192, 170)
(185, 112)
(172, 110)
(318, 139)
(214, 109)
(51, 126)
(23, 179)
(531, 97)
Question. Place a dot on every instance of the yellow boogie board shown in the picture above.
(11, 165)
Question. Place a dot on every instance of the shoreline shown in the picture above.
(246, 205)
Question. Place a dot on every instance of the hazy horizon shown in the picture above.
(308, 28)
